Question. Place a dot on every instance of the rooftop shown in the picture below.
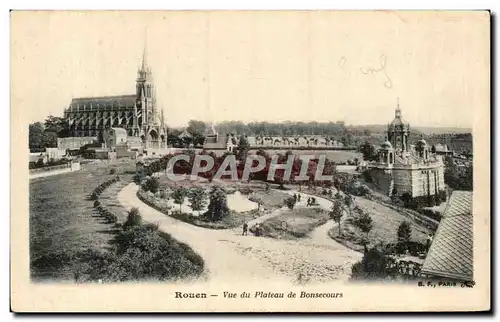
(117, 100)
(451, 252)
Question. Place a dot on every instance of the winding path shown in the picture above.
(230, 257)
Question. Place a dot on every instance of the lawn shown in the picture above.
(271, 199)
(293, 224)
(61, 221)
(385, 226)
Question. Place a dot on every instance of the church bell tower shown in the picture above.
(150, 127)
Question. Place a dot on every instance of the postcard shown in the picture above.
(250, 161)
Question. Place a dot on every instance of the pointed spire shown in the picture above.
(144, 52)
(398, 109)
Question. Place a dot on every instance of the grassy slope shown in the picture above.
(61, 217)
(385, 225)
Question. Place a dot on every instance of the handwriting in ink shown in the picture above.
(381, 69)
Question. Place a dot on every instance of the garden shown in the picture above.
(214, 205)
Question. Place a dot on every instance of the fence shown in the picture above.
(62, 168)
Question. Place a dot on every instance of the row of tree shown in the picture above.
(348, 136)
(44, 135)
(458, 178)
(197, 197)
(185, 167)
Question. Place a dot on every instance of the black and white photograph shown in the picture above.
(250, 161)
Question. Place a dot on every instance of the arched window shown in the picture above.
(391, 161)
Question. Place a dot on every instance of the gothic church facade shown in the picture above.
(137, 113)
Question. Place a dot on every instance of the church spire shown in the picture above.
(398, 110)
(145, 52)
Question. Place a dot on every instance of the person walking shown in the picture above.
(245, 229)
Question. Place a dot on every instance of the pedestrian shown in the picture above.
(298, 197)
(257, 230)
(245, 229)
(295, 197)
(308, 202)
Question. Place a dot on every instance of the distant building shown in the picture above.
(214, 141)
(451, 253)
(137, 114)
(75, 143)
(405, 168)
(442, 149)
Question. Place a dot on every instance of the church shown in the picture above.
(405, 168)
(136, 115)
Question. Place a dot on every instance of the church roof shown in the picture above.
(422, 142)
(398, 120)
(185, 134)
(386, 145)
(441, 147)
(120, 100)
(216, 142)
(451, 252)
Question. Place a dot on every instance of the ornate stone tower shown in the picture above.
(148, 122)
(398, 132)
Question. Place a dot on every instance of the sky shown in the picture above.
(259, 66)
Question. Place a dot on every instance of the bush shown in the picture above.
(151, 184)
(290, 202)
(436, 215)
(367, 176)
(112, 171)
(217, 208)
(133, 219)
(374, 265)
(141, 254)
(246, 190)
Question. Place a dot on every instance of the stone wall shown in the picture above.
(382, 179)
(402, 181)
(74, 143)
(427, 181)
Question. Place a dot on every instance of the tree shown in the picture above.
(364, 223)
(197, 130)
(348, 202)
(368, 151)
(217, 208)
(151, 184)
(404, 233)
(173, 137)
(374, 265)
(36, 135)
(290, 202)
(337, 211)
(197, 199)
(242, 149)
(133, 219)
(196, 127)
(406, 198)
(458, 178)
(49, 139)
(178, 196)
(57, 125)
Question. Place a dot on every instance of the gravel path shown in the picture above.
(230, 257)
